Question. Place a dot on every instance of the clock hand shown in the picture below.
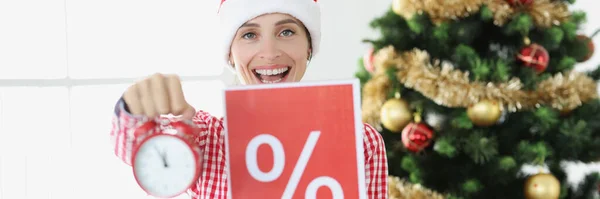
(163, 157)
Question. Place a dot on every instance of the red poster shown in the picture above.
(295, 140)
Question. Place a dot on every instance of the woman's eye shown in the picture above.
(249, 35)
(287, 33)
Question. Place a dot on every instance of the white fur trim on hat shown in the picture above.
(234, 13)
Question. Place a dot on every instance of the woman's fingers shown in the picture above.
(132, 100)
(160, 94)
(176, 97)
(146, 97)
(188, 113)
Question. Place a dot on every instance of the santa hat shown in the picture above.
(234, 13)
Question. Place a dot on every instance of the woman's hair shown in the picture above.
(308, 37)
(234, 13)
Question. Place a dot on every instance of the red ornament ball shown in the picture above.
(416, 136)
(520, 2)
(590, 45)
(368, 59)
(534, 56)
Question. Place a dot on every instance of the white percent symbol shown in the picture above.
(279, 164)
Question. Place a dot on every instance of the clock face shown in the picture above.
(165, 166)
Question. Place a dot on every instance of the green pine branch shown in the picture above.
(521, 24)
(595, 74)
(480, 69)
(553, 38)
(480, 148)
(542, 120)
(535, 153)
(507, 163)
(472, 186)
(501, 72)
(446, 146)
(362, 74)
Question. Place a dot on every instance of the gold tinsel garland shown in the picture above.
(544, 13)
(401, 189)
(446, 86)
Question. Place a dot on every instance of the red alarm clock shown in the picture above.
(166, 163)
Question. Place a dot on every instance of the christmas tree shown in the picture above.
(468, 92)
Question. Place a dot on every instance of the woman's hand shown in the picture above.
(157, 95)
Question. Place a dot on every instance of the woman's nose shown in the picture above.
(269, 49)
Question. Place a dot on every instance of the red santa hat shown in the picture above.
(234, 13)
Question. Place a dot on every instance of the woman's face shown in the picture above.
(271, 48)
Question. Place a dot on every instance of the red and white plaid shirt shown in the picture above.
(213, 181)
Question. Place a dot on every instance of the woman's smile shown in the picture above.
(271, 74)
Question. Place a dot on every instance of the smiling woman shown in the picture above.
(264, 42)
(270, 49)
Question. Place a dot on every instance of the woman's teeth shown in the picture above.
(270, 76)
(271, 82)
(271, 71)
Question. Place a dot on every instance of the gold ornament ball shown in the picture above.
(485, 113)
(542, 186)
(395, 114)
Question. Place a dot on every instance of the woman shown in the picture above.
(264, 41)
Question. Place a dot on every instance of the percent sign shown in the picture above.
(279, 164)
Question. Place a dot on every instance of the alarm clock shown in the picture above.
(166, 162)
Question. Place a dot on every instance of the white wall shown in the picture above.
(58, 82)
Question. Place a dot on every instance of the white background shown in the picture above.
(64, 63)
